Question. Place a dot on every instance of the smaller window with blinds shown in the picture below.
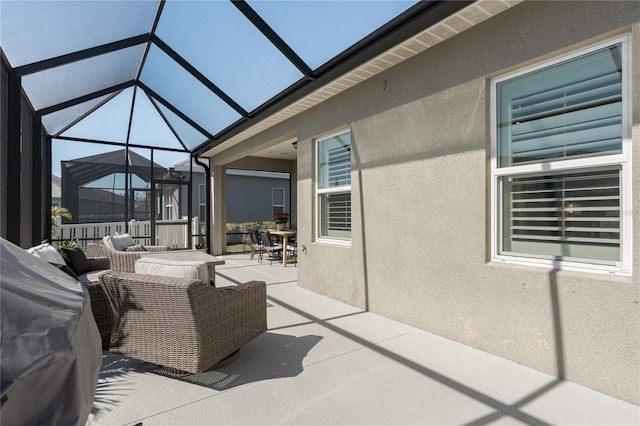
(333, 188)
(560, 162)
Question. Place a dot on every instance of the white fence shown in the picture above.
(173, 233)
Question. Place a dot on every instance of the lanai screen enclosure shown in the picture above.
(423, 91)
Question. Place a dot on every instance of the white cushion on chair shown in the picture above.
(91, 276)
(107, 242)
(118, 242)
(192, 269)
(48, 253)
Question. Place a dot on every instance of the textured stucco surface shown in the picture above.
(420, 214)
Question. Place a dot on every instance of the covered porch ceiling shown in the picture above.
(200, 76)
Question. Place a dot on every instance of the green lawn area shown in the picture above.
(238, 248)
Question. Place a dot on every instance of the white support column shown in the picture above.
(219, 210)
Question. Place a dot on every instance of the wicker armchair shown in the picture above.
(123, 261)
(182, 324)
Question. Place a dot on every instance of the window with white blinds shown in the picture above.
(333, 187)
(336, 211)
(570, 110)
(560, 163)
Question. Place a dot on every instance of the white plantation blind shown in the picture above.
(569, 110)
(336, 210)
(570, 214)
(334, 156)
(339, 166)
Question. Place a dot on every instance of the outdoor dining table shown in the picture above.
(285, 237)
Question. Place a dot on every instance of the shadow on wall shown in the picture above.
(360, 195)
(559, 355)
(557, 320)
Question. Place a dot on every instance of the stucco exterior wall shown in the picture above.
(420, 250)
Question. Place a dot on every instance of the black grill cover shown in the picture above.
(51, 351)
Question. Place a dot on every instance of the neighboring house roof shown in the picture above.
(183, 166)
(86, 194)
(88, 169)
(90, 194)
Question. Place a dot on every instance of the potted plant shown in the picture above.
(281, 220)
(67, 244)
(58, 213)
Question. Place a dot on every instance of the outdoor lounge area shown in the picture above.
(323, 362)
(440, 199)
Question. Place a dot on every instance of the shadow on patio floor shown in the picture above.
(270, 356)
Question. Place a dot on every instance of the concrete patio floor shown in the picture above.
(322, 362)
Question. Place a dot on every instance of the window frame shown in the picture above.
(623, 160)
(168, 204)
(319, 192)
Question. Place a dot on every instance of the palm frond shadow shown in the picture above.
(121, 303)
(268, 357)
(114, 383)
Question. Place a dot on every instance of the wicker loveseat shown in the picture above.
(182, 324)
(99, 305)
(123, 261)
(86, 270)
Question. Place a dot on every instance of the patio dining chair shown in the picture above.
(256, 244)
(269, 246)
(292, 250)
